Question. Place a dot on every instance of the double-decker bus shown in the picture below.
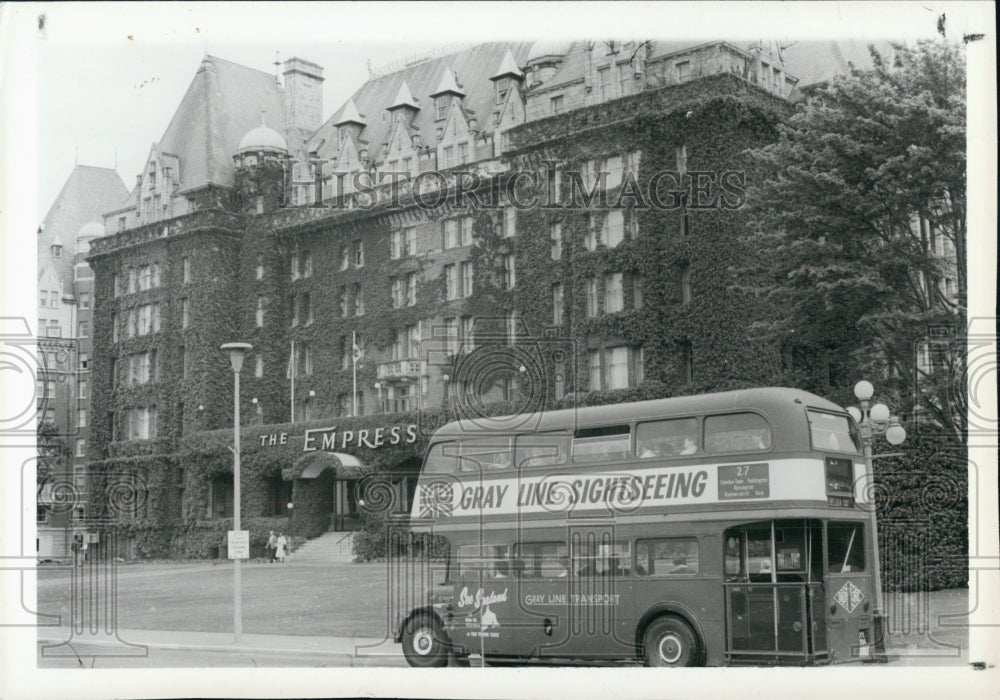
(720, 529)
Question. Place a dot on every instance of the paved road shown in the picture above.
(62, 648)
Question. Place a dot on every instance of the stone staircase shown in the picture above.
(332, 547)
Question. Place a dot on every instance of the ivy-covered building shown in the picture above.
(64, 333)
(378, 311)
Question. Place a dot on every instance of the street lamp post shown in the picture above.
(875, 419)
(236, 353)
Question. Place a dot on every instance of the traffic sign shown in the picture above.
(239, 544)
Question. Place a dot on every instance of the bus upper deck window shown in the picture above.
(666, 438)
(541, 450)
(737, 432)
(485, 454)
(829, 431)
(606, 443)
(442, 458)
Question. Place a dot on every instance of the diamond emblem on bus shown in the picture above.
(849, 596)
(436, 499)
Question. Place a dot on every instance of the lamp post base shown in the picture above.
(880, 622)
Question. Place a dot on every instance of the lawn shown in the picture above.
(928, 621)
(342, 600)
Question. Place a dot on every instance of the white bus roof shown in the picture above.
(774, 402)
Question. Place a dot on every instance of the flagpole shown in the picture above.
(420, 366)
(354, 365)
(291, 364)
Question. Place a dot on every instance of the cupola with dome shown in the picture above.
(544, 59)
(88, 232)
(262, 139)
(260, 161)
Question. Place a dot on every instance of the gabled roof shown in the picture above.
(349, 114)
(508, 66)
(448, 84)
(86, 195)
(222, 103)
(404, 98)
(475, 65)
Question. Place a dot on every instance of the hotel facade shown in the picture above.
(485, 284)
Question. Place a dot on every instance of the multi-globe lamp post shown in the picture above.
(236, 353)
(874, 420)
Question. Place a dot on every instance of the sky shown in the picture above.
(109, 76)
(105, 105)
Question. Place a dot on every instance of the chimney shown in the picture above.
(303, 100)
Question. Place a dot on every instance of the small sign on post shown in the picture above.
(239, 544)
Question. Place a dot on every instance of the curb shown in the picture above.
(348, 657)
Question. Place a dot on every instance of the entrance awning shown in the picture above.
(346, 466)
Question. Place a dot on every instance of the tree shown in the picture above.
(854, 204)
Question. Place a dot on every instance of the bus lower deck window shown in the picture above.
(670, 556)
(592, 558)
(540, 560)
(486, 561)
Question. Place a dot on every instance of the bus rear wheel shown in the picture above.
(424, 643)
(670, 642)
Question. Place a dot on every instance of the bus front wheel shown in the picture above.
(424, 643)
(670, 642)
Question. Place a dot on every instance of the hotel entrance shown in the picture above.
(340, 486)
(344, 516)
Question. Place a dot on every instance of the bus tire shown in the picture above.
(669, 642)
(425, 644)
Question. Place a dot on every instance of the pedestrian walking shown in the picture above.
(272, 545)
(282, 548)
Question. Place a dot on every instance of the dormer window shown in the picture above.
(503, 86)
(441, 106)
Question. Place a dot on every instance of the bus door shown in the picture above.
(849, 594)
(774, 592)
(601, 592)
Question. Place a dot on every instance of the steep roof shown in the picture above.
(86, 195)
(472, 66)
(819, 61)
(809, 61)
(574, 67)
(222, 104)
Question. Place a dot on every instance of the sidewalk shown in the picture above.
(346, 651)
